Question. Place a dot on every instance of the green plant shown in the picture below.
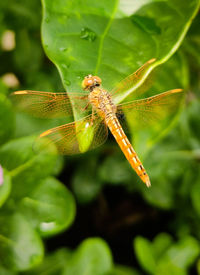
(111, 39)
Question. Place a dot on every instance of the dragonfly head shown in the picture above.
(90, 82)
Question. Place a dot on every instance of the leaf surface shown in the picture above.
(20, 246)
(93, 256)
(50, 207)
(112, 39)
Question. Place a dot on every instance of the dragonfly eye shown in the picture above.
(97, 81)
(90, 82)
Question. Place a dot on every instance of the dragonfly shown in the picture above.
(103, 114)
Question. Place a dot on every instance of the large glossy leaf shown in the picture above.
(144, 138)
(20, 246)
(145, 254)
(112, 39)
(50, 207)
(93, 256)
(26, 166)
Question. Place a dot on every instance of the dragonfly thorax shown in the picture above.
(90, 82)
(102, 102)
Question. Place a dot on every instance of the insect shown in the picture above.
(103, 115)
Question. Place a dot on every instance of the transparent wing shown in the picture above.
(48, 105)
(133, 81)
(148, 111)
(76, 137)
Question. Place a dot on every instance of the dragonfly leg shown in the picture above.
(91, 123)
(85, 108)
(81, 97)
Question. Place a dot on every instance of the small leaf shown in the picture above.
(184, 253)
(20, 246)
(162, 193)
(145, 254)
(25, 166)
(93, 256)
(50, 207)
(5, 185)
(161, 243)
(179, 257)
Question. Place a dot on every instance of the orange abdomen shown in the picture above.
(127, 148)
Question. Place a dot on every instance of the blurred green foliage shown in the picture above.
(113, 40)
(162, 256)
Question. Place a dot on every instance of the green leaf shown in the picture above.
(179, 257)
(50, 207)
(5, 185)
(163, 257)
(86, 37)
(26, 167)
(166, 268)
(184, 253)
(93, 256)
(111, 40)
(161, 195)
(162, 79)
(6, 119)
(53, 263)
(161, 243)
(20, 246)
(144, 138)
(145, 254)
(165, 178)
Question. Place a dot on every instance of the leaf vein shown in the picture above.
(103, 36)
